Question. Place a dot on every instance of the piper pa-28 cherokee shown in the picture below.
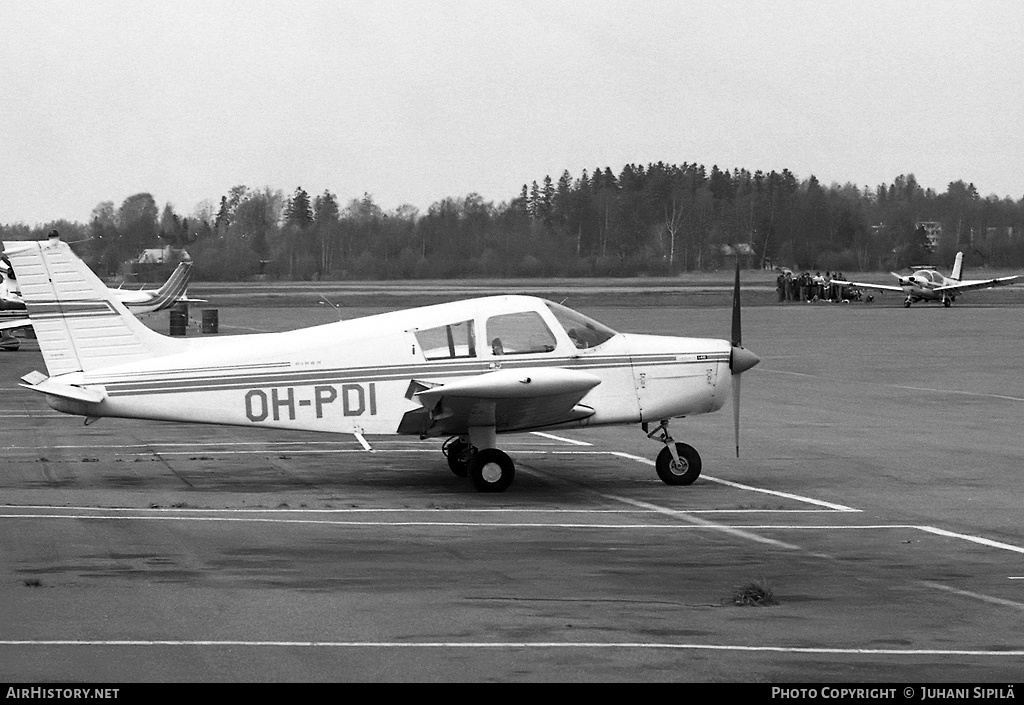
(468, 370)
(925, 284)
(12, 307)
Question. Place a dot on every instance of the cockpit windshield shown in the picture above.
(584, 332)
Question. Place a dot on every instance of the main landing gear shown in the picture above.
(492, 470)
(677, 463)
(489, 469)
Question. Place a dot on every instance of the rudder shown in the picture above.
(80, 326)
(958, 265)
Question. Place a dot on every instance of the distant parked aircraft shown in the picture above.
(926, 284)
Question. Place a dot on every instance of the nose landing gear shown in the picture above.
(677, 463)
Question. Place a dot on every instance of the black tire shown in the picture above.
(491, 470)
(906, 304)
(947, 303)
(686, 472)
(458, 452)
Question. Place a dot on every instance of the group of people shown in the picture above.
(831, 286)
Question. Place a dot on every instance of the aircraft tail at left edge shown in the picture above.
(80, 326)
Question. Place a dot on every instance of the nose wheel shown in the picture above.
(677, 463)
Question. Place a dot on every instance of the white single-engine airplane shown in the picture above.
(468, 370)
(925, 284)
(13, 315)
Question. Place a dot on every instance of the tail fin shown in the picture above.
(159, 299)
(958, 265)
(174, 287)
(79, 322)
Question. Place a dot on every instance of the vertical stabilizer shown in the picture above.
(958, 265)
(78, 322)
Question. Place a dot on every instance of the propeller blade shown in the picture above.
(741, 359)
(737, 335)
(736, 410)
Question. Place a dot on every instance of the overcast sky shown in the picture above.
(416, 101)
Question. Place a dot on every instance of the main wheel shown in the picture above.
(491, 470)
(906, 304)
(458, 452)
(682, 473)
(947, 303)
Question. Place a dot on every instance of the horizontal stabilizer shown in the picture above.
(38, 382)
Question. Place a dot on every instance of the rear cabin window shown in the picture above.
(519, 333)
(449, 341)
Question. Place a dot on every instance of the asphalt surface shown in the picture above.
(877, 502)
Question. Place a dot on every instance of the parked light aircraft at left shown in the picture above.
(467, 370)
(13, 315)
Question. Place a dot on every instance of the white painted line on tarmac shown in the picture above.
(394, 510)
(563, 645)
(749, 488)
(742, 533)
(973, 539)
(975, 595)
(561, 438)
(899, 386)
(695, 523)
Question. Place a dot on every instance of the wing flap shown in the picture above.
(507, 399)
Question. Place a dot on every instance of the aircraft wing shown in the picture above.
(865, 285)
(509, 399)
(977, 284)
(15, 323)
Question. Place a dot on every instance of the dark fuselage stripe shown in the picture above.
(371, 374)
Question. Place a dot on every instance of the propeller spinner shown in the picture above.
(741, 359)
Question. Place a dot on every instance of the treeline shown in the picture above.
(655, 220)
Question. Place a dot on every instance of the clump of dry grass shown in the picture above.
(754, 594)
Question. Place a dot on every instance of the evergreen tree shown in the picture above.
(299, 212)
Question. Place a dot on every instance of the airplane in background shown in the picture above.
(13, 315)
(926, 284)
(466, 370)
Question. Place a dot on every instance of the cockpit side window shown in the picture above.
(449, 341)
(519, 333)
(584, 332)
